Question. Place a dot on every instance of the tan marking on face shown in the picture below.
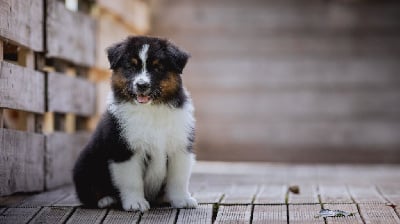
(135, 61)
(169, 85)
(120, 84)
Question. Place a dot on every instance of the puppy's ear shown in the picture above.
(114, 53)
(177, 57)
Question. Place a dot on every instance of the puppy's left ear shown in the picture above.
(177, 57)
(114, 54)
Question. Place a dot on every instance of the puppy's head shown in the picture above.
(146, 70)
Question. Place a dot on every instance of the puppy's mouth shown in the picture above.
(143, 99)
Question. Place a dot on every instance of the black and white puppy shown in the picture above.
(142, 147)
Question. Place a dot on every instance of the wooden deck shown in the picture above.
(241, 193)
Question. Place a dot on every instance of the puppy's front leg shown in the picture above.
(128, 178)
(177, 188)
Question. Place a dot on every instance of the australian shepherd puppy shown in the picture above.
(142, 147)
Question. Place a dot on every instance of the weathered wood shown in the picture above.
(70, 201)
(121, 217)
(271, 194)
(18, 215)
(391, 192)
(22, 156)
(240, 194)
(22, 22)
(233, 214)
(378, 213)
(270, 214)
(201, 215)
(69, 94)
(157, 215)
(47, 198)
(352, 208)
(307, 194)
(82, 215)
(366, 194)
(305, 213)
(211, 193)
(21, 88)
(334, 194)
(62, 150)
(52, 215)
(70, 35)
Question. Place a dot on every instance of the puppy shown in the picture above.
(142, 147)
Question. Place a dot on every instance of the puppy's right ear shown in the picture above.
(114, 54)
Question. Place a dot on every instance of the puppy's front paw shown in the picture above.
(139, 204)
(183, 202)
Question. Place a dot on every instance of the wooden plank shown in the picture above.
(334, 194)
(22, 22)
(18, 215)
(233, 214)
(305, 214)
(70, 35)
(344, 207)
(62, 150)
(44, 199)
(365, 194)
(70, 201)
(60, 98)
(202, 214)
(378, 213)
(13, 79)
(121, 217)
(52, 215)
(270, 214)
(240, 194)
(82, 215)
(307, 194)
(158, 215)
(211, 193)
(22, 156)
(271, 194)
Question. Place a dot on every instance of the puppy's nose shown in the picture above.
(142, 86)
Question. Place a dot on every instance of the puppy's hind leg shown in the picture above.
(106, 202)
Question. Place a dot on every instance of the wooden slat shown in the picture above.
(233, 214)
(158, 215)
(270, 214)
(21, 88)
(18, 215)
(81, 215)
(271, 194)
(22, 22)
(211, 193)
(44, 199)
(121, 217)
(201, 215)
(52, 215)
(70, 35)
(366, 194)
(240, 194)
(70, 201)
(61, 98)
(345, 220)
(378, 213)
(334, 194)
(62, 150)
(307, 194)
(22, 156)
(305, 214)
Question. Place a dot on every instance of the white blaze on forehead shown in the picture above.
(143, 76)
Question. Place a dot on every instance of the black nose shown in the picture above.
(142, 86)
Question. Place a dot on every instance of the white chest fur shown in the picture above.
(154, 131)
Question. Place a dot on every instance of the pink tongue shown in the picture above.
(143, 99)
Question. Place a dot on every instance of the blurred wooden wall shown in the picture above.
(291, 81)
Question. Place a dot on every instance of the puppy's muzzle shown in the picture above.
(142, 87)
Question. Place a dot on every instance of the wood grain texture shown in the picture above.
(22, 22)
(366, 194)
(121, 217)
(378, 213)
(157, 215)
(239, 214)
(47, 198)
(352, 208)
(22, 156)
(52, 215)
(211, 193)
(69, 201)
(276, 214)
(271, 194)
(240, 194)
(70, 94)
(21, 88)
(307, 194)
(305, 214)
(70, 35)
(18, 215)
(334, 194)
(82, 215)
(201, 215)
(62, 150)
